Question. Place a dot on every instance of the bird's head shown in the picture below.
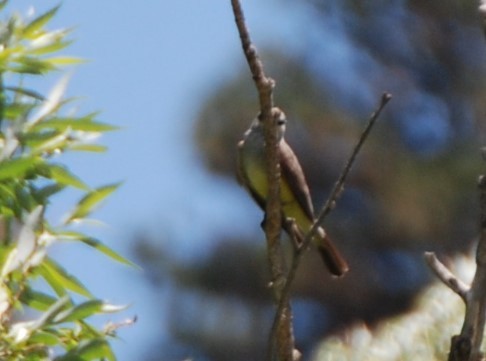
(278, 116)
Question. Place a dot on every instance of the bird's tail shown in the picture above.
(332, 258)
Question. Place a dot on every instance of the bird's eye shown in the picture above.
(281, 122)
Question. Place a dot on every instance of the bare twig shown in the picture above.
(327, 208)
(283, 339)
(446, 276)
(263, 83)
(339, 185)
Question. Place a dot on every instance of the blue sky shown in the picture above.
(150, 68)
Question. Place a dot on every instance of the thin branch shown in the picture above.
(339, 185)
(446, 276)
(327, 208)
(283, 339)
(263, 83)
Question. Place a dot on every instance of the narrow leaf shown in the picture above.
(42, 194)
(48, 43)
(80, 312)
(32, 65)
(28, 92)
(96, 148)
(106, 250)
(89, 202)
(93, 242)
(36, 24)
(16, 168)
(51, 279)
(53, 143)
(63, 176)
(36, 300)
(96, 349)
(6, 193)
(52, 312)
(64, 60)
(62, 279)
(85, 124)
(45, 338)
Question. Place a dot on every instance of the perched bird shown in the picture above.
(295, 200)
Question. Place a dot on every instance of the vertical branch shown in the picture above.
(283, 340)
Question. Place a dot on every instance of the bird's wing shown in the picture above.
(293, 174)
(243, 179)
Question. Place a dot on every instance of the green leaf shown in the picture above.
(89, 202)
(36, 300)
(60, 280)
(24, 198)
(53, 143)
(55, 309)
(6, 193)
(6, 211)
(64, 60)
(51, 279)
(63, 176)
(28, 92)
(32, 65)
(35, 25)
(35, 140)
(88, 148)
(85, 124)
(42, 194)
(53, 47)
(81, 311)
(17, 110)
(93, 242)
(96, 349)
(45, 338)
(16, 168)
(107, 250)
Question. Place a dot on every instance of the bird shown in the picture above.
(295, 199)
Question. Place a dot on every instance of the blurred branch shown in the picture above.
(283, 338)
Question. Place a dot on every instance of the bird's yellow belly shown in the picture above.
(290, 206)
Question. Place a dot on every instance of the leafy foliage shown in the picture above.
(34, 131)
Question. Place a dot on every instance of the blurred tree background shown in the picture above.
(412, 189)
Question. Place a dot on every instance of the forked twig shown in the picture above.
(467, 345)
